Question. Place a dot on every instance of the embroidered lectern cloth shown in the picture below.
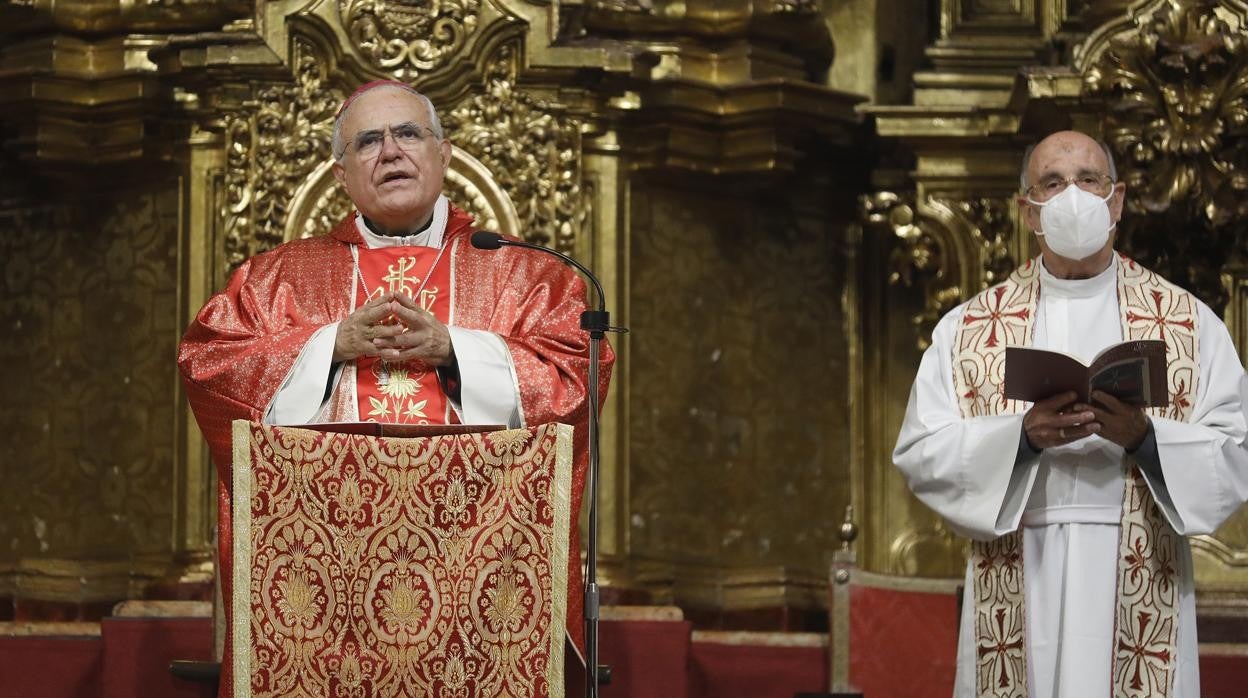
(373, 566)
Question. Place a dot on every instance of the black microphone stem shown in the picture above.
(591, 547)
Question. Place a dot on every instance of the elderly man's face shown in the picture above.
(1066, 157)
(393, 181)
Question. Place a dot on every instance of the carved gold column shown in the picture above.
(729, 149)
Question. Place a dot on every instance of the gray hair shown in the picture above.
(1022, 175)
(339, 147)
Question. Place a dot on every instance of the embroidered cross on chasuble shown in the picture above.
(1146, 617)
(371, 566)
(408, 392)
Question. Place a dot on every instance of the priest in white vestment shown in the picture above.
(1102, 610)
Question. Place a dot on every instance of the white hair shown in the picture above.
(1022, 175)
(339, 147)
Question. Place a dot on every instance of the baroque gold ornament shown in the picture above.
(1176, 92)
(280, 185)
(795, 7)
(948, 247)
(271, 147)
(406, 38)
(533, 149)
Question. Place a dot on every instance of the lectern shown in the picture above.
(383, 560)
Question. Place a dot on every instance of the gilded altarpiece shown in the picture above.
(781, 229)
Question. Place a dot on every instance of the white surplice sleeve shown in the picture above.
(489, 393)
(968, 470)
(1205, 461)
(304, 391)
(488, 390)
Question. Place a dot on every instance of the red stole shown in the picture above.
(407, 392)
(1146, 616)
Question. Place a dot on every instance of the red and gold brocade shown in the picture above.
(245, 340)
(400, 567)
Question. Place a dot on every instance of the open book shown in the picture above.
(1132, 371)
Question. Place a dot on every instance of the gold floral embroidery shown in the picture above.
(403, 605)
(381, 408)
(400, 383)
(298, 603)
(416, 410)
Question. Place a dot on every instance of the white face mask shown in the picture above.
(1075, 223)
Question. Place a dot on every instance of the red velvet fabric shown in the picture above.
(648, 659)
(50, 667)
(137, 653)
(1223, 675)
(904, 643)
(752, 671)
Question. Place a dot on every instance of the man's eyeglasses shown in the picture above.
(1051, 186)
(408, 136)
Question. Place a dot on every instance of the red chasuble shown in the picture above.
(238, 351)
(408, 392)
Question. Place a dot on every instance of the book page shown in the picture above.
(1133, 371)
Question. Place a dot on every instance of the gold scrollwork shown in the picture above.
(408, 37)
(640, 7)
(917, 260)
(533, 147)
(990, 225)
(1176, 92)
(948, 247)
(271, 147)
(509, 148)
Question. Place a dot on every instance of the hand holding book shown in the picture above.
(1073, 401)
(1134, 372)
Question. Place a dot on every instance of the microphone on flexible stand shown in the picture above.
(597, 323)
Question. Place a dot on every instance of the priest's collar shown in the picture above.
(429, 236)
(1104, 282)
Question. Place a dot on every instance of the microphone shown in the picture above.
(597, 323)
(485, 240)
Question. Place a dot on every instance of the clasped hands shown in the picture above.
(393, 328)
(1060, 420)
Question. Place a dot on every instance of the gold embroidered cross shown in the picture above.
(398, 278)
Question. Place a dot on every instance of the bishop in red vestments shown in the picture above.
(393, 316)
